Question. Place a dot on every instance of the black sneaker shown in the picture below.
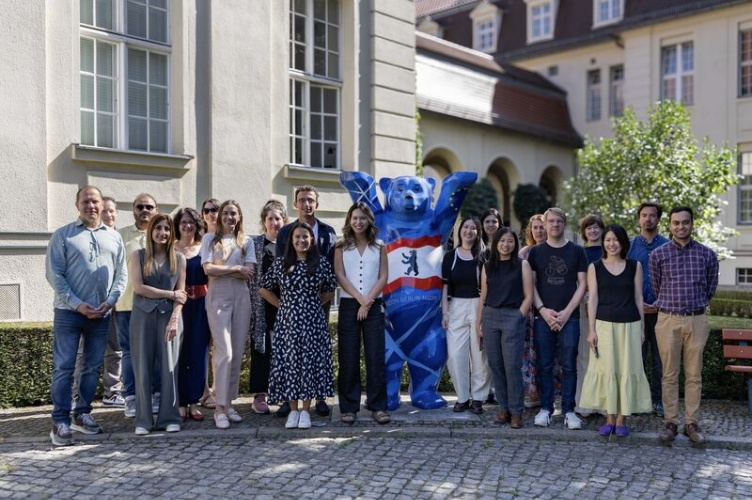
(85, 424)
(322, 409)
(476, 407)
(61, 435)
(283, 411)
(460, 407)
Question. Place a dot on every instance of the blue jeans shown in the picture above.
(67, 329)
(503, 337)
(561, 345)
(123, 326)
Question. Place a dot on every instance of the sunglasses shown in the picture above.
(210, 210)
(146, 207)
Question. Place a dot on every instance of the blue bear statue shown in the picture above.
(414, 234)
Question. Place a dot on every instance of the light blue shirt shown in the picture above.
(86, 265)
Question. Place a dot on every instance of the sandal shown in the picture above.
(209, 402)
(606, 430)
(194, 414)
(381, 417)
(348, 418)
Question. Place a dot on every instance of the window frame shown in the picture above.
(612, 17)
(616, 104)
(122, 42)
(743, 91)
(593, 96)
(680, 72)
(309, 81)
(744, 189)
(532, 5)
(486, 20)
(747, 279)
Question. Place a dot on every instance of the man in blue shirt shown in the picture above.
(649, 216)
(86, 267)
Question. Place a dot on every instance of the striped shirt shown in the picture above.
(684, 278)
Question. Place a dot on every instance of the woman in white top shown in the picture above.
(229, 259)
(360, 264)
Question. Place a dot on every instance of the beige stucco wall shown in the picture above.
(229, 120)
(717, 111)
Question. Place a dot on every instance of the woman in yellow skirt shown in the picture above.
(615, 380)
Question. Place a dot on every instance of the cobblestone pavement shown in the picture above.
(357, 467)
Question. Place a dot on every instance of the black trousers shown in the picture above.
(261, 361)
(349, 333)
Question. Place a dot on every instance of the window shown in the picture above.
(607, 11)
(124, 74)
(315, 83)
(743, 276)
(745, 63)
(616, 91)
(540, 19)
(677, 72)
(593, 95)
(486, 19)
(745, 189)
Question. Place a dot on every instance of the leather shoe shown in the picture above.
(668, 434)
(503, 417)
(476, 407)
(460, 407)
(516, 422)
(693, 432)
(283, 411)
(322, 409)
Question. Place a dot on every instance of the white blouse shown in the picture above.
(361, 270)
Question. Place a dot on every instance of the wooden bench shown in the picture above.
(737, 345)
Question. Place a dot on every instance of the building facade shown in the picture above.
(186, 100)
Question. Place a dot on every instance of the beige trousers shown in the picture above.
(679, 336)
(228, 307)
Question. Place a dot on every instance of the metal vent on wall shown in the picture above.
(10, 302)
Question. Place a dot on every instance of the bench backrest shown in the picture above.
(737, 344)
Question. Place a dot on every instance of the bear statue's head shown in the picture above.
(408, 195)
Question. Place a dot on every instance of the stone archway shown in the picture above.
(504, 177)
(550, 182)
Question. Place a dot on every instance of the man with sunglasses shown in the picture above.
(134, 237)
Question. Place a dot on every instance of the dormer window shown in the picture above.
(541, 17)
(607, 12)
(486, 20)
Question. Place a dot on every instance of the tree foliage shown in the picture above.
(480, 197)
(655, 160)
(529, 200)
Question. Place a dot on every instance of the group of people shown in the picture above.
(189, 291)
(603, 312)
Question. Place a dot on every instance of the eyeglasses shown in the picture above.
(146, 207)
(210, 210)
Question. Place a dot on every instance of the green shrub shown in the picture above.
(731, 307)
(26, 364)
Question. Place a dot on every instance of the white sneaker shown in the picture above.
(130, 407)
(292, 420)
(234, 416)
(173, 428)
(305, 420)
(572, 421)
(220, 420)
(142, 431)
(543, 418)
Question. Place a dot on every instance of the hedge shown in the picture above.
(26, 364)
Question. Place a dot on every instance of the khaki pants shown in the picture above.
(679, 336)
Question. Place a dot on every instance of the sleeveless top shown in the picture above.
(161, 278)
(616, 294)
(361, 270)
(504, 285)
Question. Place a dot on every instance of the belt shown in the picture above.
(698, 312)
(196, 291)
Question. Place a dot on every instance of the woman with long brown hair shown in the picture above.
(158, 276)
(229, 259)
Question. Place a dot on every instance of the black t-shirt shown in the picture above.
(504, 284)
(556, 273)
(616, 294)
(460, 275)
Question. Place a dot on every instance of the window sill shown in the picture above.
(320, 175)
(119, 158)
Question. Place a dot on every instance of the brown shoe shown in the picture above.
(516, 422)
(381, 417)
(693, 432)
(502, 417)
(668, 434)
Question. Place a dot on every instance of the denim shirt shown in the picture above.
(640, 251)
(85, 265)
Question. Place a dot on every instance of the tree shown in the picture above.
(480, 197)
(655, 160)
(529, 200)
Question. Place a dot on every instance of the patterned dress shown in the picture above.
(301, 366)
